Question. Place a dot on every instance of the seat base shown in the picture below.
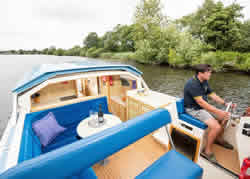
(193, 121)
(172, 165)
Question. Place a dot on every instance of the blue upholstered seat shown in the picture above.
(188, 118)
(172, 165)
(68, 116)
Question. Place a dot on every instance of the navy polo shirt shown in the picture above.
(194, 89)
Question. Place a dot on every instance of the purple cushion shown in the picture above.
(47, 129)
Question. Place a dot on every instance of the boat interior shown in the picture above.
(144, 158)
(123, 93)
(72, 91)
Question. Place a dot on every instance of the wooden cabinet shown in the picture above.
(138, 104)
(118, 107)
(136, 108)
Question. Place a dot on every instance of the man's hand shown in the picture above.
(234, 105)
(223, 115)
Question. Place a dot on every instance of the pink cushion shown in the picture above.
(47, 129)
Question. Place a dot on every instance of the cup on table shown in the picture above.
(95, 115)
(91, 114)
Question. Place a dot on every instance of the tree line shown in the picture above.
(215, 33)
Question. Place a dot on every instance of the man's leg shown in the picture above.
(214, 129)
(220, 140)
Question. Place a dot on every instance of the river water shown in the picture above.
(231, 86)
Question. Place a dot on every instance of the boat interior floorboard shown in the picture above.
(132, 160)
(227, 158)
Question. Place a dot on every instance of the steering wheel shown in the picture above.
(229, 107)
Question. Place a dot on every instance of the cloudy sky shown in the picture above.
(29, 24)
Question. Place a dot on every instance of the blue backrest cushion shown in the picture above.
(30, 144)
(180, 106)
(73, 113)
(65, 115)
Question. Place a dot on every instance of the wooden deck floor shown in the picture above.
(132, 160)
(227, 158)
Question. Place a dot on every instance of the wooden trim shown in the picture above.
(75, 86)
(194, 137)
(98, 85)
(82, 86)
(108, 86)
(72, 101)
(165, 105)
(127, 108)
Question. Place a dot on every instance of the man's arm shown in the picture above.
(217, 99)
(220, 114)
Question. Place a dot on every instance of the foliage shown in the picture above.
(145, 52)
(120, 39)
(186, 50)
(217, 25)
(59, 52)
(111, 42)
(147, 17)
(118, 55)
(51, 50)
(75, 51)
(195, 21)
(91, 40)
(221, 29)
(94, 52)
(223, 61)
(243, 44)
(149, 39)
(83, 52)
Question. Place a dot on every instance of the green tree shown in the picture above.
(34, 51)
(195, 21)
(221, 29)
(75, 51)
(125, 37)
(59, 52)
(21, 51)
(119, 39)
(51, 50)
(91, 40)
(111, 41)
(147, 17)
(45, 51)
(243, 44)
(148, 36)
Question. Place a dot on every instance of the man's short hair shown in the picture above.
(202, 68)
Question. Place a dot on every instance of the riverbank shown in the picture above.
(220, 61)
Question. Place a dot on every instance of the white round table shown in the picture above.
(84, 130)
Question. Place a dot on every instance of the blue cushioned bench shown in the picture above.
(172, 165)
(68, 116)
(75, 158)
(188, 118)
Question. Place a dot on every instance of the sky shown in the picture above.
(39, 24)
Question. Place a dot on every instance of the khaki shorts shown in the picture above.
(200, 114)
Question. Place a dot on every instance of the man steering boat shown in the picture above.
(196, 93)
